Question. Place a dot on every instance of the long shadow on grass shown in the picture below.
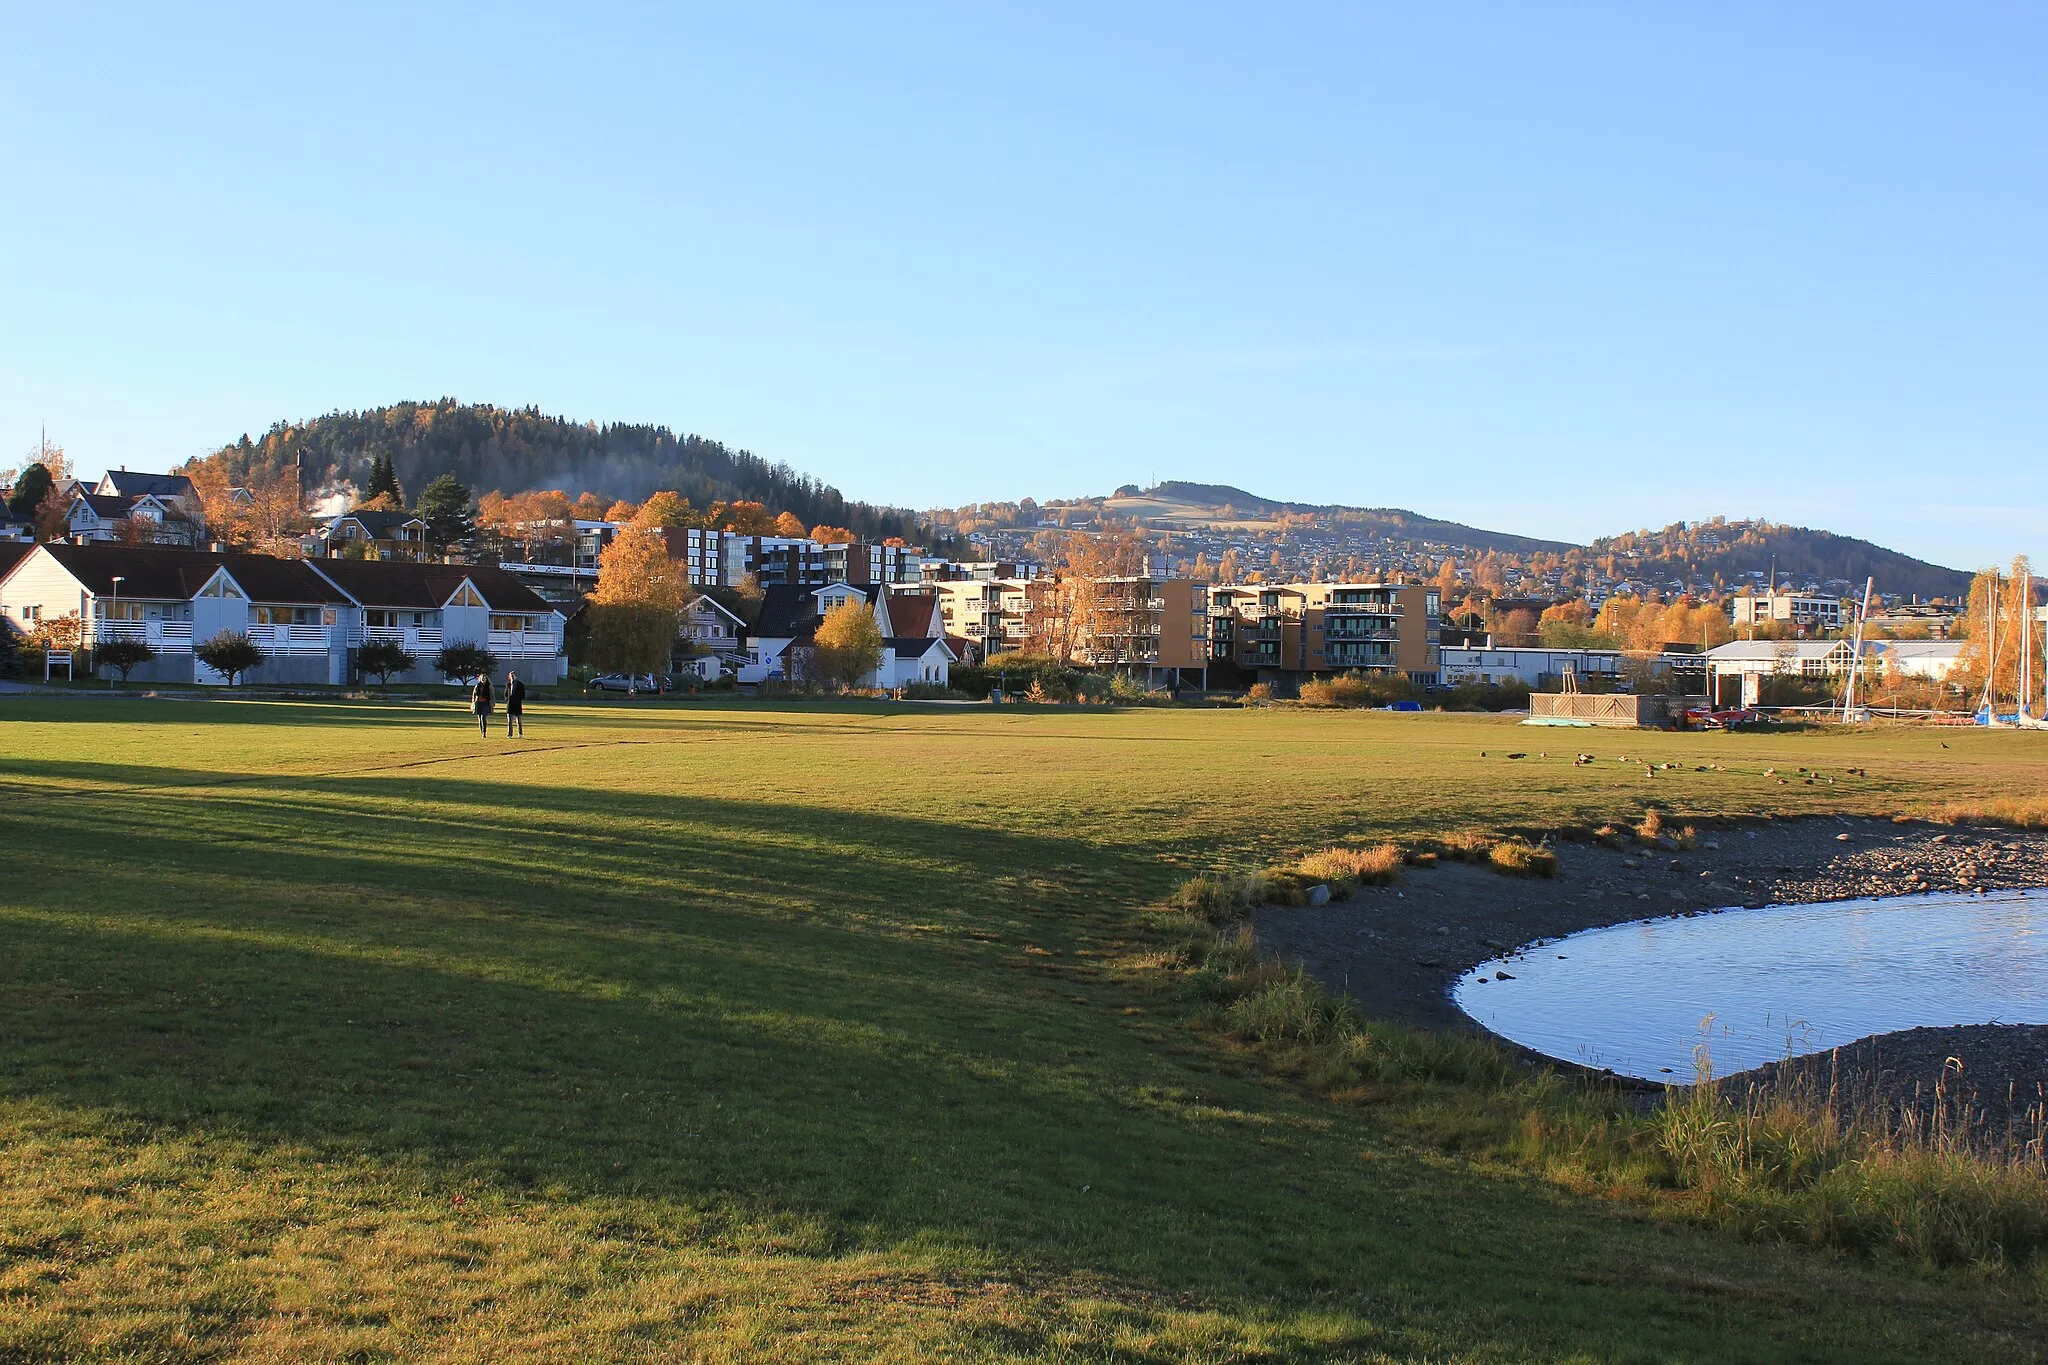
(756, 1011)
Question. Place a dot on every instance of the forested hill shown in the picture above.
(517, 450)
(1731, 550)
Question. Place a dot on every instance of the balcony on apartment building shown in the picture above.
(1358, 653)
(1378, 601)
(1360, 628)
(171, 635)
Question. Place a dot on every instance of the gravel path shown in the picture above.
(1398, 950)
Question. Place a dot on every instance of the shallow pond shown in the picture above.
(1755, 986)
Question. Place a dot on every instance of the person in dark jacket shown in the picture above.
(480, 702)
(515, 706)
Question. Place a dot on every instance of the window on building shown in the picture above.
(508, 623)
(220, 586)
(466, 596)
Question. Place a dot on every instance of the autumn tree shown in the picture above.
(640, 591)
(1106, 609)
(1998, 611)
(274, 518)
(790, 525)
(743, 518)
(848, 644)
(1569, 625)
(667, 509)
(620, 511)
(39, 490)
(830, 535)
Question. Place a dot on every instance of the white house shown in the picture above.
(308, 616)
(1932, 660)
(1754, 660)
(710, 637)
(426, 606)
(172, 598)
(1533, 667)
(912, 649)
(1807, 610)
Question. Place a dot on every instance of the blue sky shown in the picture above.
(1563, 270)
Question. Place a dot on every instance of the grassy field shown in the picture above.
(737, 1032)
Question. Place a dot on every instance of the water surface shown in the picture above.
(1755, 986)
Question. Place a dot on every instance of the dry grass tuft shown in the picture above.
(1467, 847)
(2016, 812)
(1519, 858)
(1377, 866)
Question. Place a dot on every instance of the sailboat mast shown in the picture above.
(1856, 656)
(2026, 644)
(1991, 654)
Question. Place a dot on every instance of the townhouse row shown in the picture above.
(309, 616)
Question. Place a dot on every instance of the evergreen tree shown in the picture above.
(30, 488)
(383, 481)
(445, 509)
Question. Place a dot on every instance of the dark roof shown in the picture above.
(380, 525)
(110, 506)
(913, 646)
(128, 483)
(787, 612)
(402, 583)
(911, 613)
(743, 605)
(707, 596)
(12, 552)
(164, 574)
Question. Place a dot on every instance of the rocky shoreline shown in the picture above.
(1398, 950)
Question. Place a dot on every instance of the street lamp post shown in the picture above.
(113, 614)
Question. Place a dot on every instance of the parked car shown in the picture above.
(1705, 719)
(628, 682)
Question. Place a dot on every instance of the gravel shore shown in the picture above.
(1398, 950)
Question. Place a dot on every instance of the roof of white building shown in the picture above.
(1736, 651)
(1918, 649)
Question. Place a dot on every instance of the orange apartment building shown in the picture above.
(1159, 625)
(1297, 630)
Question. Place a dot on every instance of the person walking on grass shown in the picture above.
(515, 706)
(480, 702)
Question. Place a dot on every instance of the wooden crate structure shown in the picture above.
(1623, 710)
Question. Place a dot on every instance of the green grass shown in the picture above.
(737, 1032)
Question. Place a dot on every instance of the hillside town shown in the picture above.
(133, 562)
